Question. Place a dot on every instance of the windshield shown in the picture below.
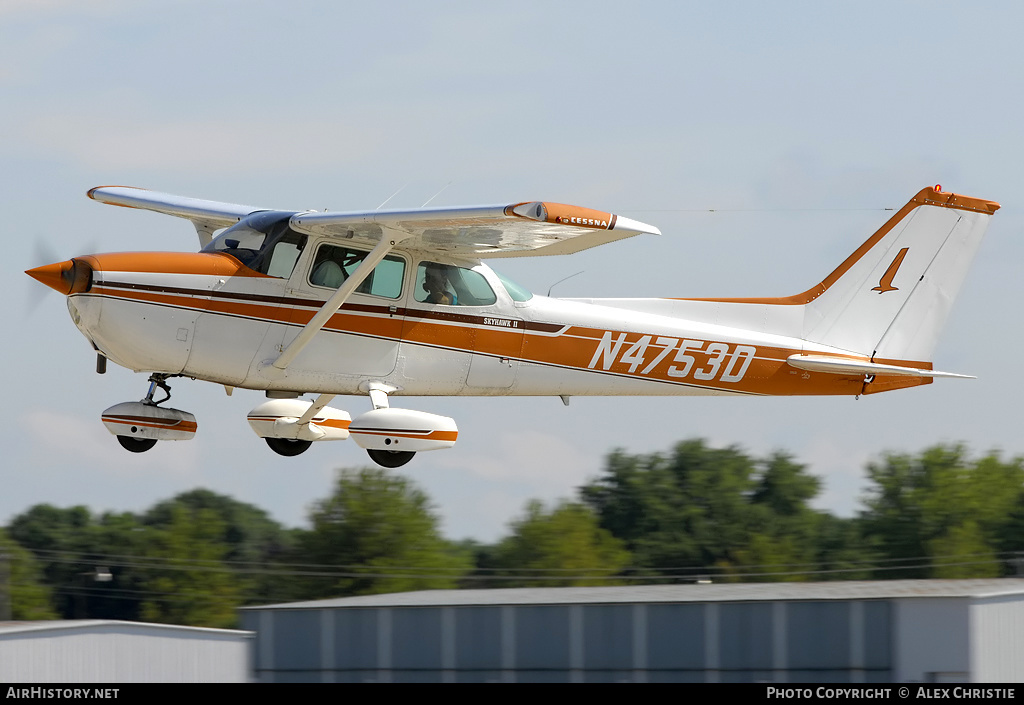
(517, 292)
(263, 242)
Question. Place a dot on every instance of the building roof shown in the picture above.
(713, 592)
(113, 625)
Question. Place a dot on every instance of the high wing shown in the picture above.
(517, 230)
(206, 216)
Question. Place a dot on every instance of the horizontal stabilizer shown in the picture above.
(848, 366)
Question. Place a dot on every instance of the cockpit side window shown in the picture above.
(334, 264)
(449, 285)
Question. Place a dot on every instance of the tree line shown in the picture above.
(693, 513)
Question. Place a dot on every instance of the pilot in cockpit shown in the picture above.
(435, 283)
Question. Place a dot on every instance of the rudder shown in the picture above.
(890, 299)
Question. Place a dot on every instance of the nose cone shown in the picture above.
(71, 277)
(52, 275)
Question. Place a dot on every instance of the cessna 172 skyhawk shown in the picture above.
(389, 303)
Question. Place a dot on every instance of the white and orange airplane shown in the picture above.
(391, 303)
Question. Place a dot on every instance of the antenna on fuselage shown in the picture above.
(562, 280)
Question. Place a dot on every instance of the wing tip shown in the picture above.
(622, 223)
(96, 190)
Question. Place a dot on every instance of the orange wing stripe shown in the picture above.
(175, 424)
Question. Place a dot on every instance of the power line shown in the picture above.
(642, 573)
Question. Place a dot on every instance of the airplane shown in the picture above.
(391, 303)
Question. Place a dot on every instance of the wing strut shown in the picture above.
(275, 369)
(314, 409)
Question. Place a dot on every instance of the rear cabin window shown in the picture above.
(334, 264)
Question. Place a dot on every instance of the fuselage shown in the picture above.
(209, 316)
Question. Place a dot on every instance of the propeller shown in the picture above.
(69, 276)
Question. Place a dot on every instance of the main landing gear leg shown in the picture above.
(386, 458)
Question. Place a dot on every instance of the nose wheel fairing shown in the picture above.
(138, 425)
(141, 421)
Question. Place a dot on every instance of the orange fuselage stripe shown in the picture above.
(567, 346)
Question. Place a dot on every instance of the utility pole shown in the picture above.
(1018, 564)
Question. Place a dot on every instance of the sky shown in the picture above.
(765, 140)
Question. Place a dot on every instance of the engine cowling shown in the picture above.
(403, 430)
(279, 418)
(137, 420)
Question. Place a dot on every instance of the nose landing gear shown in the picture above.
(138, 425)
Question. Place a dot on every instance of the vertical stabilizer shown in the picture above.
(890, 299)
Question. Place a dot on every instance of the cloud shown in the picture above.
(529, 457)
(88, 448)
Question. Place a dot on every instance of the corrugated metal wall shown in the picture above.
(813, 641)
(997, 639)
(111, 654)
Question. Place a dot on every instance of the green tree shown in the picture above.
(377, 533)
(257, 547)
(783, 542)
(941, 514)
(109, 583)
(563, 547)
(784, 487)
(21, 587)
(186, 581)
(700, 511)
(687, 508)
(116, 567)
(60, 539)
(841, 553)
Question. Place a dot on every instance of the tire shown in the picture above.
(390, 458)
(136, 445)
(287, 446)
